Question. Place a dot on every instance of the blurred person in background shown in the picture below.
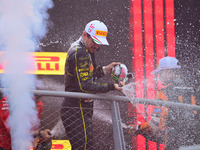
(81, 72)
(173, 126)
(42, 138)
(5, 137)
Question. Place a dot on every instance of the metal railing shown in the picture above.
(118, 133)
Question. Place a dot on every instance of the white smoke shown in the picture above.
(22, 25)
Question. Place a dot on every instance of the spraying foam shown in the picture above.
(22, 25)
(101, 115)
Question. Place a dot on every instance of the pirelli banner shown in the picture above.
(45, 63)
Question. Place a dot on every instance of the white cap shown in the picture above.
(98, 31)
(166, 63)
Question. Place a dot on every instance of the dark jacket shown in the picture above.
(174, 126)
(81, 71)
(181, 123)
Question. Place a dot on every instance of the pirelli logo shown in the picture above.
(101, 33)
(45, 63)
(59, 145)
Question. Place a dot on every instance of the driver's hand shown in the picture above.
(117, 87)
(109, 67)
(46, 134)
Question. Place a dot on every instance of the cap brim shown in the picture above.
(159, 69)
(155, 71)
(100, 41)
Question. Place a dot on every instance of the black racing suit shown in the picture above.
(80, 74)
